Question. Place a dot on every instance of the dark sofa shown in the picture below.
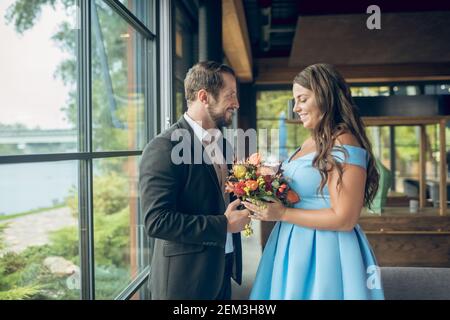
(407, 283)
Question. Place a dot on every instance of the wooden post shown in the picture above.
(422, 166)
(443, 168)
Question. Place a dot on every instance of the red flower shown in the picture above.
(239, 188)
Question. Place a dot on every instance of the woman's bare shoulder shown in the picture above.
(347, 139)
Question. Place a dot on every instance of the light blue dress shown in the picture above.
(303, 263)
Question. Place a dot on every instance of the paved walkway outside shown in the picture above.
(34, 229)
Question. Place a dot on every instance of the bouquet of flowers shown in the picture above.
(253, 181)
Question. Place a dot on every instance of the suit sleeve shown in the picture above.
(160, 181)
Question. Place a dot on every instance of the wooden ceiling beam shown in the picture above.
(278, 71)
(235, 39)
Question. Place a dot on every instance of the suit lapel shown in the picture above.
(213, 175)
(208, 167)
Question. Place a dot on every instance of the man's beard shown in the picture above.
(219, 117)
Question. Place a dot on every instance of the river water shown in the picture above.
(30, 186)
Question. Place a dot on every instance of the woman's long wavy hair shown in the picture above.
(339, 115)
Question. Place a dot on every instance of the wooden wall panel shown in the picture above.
(402, 241)
(411, 250)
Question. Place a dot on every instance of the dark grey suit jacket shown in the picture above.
(184, 212)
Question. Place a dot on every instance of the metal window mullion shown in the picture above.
(151, 116)
(86, 230)
(151, 88)
(53, 157)
(85, 176)
(130, 18)
(141, 78)
(155, 87)
(152, 127)
(166, 61)
(134, 285)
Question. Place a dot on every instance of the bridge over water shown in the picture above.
(37, 136)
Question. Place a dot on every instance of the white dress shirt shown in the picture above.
(221, 169)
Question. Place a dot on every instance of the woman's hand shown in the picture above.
(271, 211)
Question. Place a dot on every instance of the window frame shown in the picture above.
(85, 154)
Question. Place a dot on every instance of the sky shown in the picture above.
(29, 92)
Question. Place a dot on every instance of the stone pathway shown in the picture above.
(34, 229)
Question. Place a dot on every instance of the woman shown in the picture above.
(317, 250)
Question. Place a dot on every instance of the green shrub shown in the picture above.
(20, 293)
(112, 239)
(65, 243)
(3, 226)
(12, 262)
(24, 276)
(110, 194)
(109, 281)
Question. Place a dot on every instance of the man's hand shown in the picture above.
(237, 219)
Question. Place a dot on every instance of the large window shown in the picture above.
(442, 88)
(38, 83)
(39, 252)
(78, 90)
(271, 110)
(118, 82)
(116, 225)
(143, 10)
(369, 91)
(396, 147)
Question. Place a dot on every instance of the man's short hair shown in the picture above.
(205, 75)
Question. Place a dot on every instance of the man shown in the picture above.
(197, 246)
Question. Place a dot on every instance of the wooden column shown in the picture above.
(392, 157)
(422, 165)
(443, 168)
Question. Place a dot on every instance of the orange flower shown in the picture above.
(254, 159)
(251, 184)
(292, 196)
